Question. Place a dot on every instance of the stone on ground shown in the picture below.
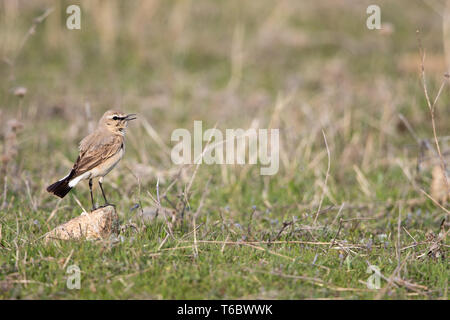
(96, 225)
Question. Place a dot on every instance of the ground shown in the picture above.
(353, 190)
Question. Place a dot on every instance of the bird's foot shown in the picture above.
(107, 204)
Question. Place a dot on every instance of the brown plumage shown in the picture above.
(95, 149)
(99, 154)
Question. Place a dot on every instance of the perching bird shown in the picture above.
(99, 154)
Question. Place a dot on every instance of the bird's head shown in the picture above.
(116, 121)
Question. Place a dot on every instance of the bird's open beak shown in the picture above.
(131, 116)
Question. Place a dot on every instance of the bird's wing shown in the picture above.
(95, 149)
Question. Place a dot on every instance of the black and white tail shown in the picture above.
(61, 187)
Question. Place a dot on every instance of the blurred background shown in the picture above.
(298, 66)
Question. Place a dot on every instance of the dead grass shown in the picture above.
(361, 128)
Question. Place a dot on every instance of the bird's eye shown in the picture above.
(115, 118)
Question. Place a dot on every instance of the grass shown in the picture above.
(299, 67)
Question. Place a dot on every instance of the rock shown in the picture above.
(96, 225)
(151, 213)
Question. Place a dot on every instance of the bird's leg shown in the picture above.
(103, 192)
(92, 197)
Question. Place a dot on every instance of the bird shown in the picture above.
(99, 153)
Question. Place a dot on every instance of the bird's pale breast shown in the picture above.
(104, 168)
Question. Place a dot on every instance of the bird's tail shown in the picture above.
(61, 187)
